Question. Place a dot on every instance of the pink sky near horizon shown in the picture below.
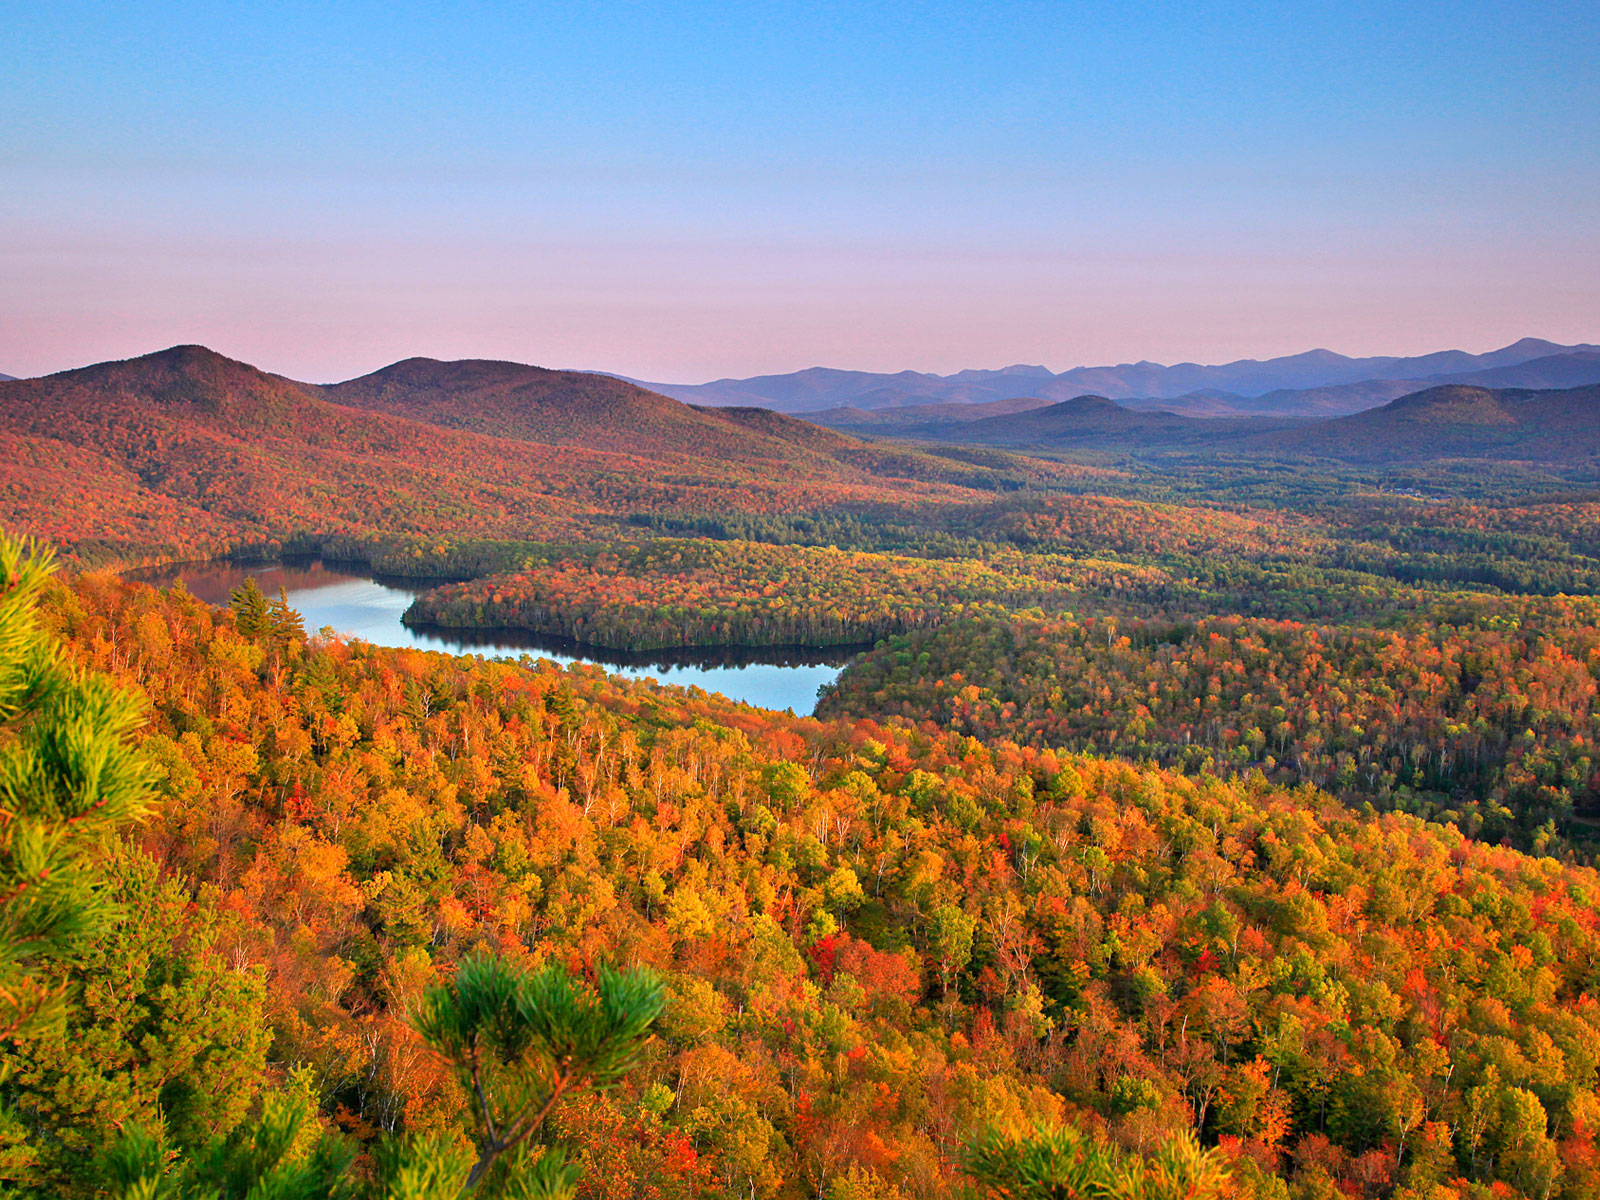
(679, 277)
(693, 310)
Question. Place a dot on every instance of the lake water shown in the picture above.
(357, 604)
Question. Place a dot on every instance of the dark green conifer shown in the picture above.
(284, 623)
(68, 776)
(519, 1041)
(250, 609)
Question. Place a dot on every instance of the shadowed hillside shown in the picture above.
(1455, 421)
(1083, 418)
(910, 417)
(1086, 422)
(599, 412)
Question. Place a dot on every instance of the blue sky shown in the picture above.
(680, 192)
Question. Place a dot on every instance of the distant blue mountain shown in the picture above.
(818, 388)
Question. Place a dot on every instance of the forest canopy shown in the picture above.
(881, 943)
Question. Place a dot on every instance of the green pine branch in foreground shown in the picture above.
(519, 1041)
(1065, 1164)
(68, 777)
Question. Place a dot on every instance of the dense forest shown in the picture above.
(1194, 827)
(672, 592)
(886, 950)
(1484, 715)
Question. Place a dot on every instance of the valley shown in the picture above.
(1222, 791)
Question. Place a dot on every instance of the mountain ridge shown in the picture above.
(1559, 425)
(816, 389)
(186, 452)
(553, 407)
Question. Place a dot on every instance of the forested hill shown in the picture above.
(1560, 426)
(188, 453)
(189, 384)
(600, 412)
(880, 940)
(1116, 836)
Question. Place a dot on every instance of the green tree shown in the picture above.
(1528, 1159)
(251, 611)
(280, 1154)
(68, 777)
(950, 939)
(519, 1041)
(160, 1032)
(1066, 1164)
(285, 624)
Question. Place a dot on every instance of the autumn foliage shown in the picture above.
(879, 940)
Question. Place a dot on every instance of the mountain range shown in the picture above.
(1555, 427)
(1574, 369)
(191, 452)
(1225, 389)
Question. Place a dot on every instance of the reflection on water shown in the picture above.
(356, 603)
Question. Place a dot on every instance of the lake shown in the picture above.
(355, 603)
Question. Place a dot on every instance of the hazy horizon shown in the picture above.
(1055, 369)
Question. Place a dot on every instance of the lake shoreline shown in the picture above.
(356, 602)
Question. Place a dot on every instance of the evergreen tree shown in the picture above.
(159, 1032)
(284, 623)
(251, 612)
(68, 777)
(279, 1154)
(1065, 1164)
(519, 1041)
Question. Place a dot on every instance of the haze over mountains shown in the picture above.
(1317, 383)
(1555, 427)
(179, 414)
(1203, 390)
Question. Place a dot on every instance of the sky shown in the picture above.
(681, 192)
